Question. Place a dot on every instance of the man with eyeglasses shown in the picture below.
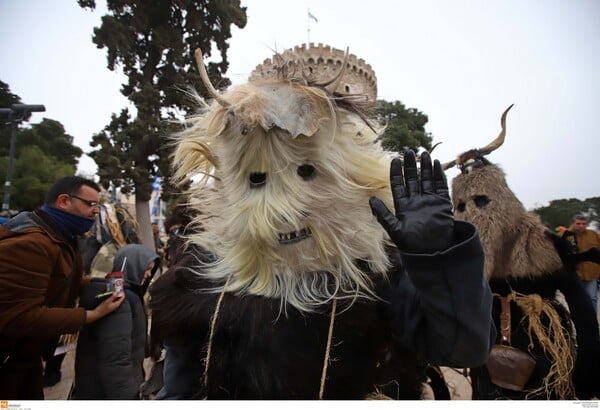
(40, 278)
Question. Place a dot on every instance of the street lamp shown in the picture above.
(16, 113)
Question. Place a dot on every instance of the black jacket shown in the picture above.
(435, 311)
(110, 352)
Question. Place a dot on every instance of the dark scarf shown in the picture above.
(70, 224)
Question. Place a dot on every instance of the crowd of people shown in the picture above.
(47, 292)
(56, 277)
(305, 265)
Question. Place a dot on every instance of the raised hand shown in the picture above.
(423, 221)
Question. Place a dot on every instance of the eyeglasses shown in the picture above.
(88, 203)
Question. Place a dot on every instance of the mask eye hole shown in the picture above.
(306, 172)
(257, 179)
(481, 201)
(460, 207)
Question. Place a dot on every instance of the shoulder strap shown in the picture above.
(505, 319)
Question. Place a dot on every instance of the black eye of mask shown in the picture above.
(306, 172)
(481, 201)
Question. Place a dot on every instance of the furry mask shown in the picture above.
(287, 174)
(513, 239)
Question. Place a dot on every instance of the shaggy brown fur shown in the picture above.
(517, 248)
(514, 240)
(521, 262)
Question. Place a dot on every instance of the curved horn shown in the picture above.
(434, 145)
(447, 165)
(334, 82)
(500, 138)
(206, 81)
(430, 151)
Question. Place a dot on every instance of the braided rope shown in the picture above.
(327, 350)
(213, 325)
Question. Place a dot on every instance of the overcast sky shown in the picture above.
(460, 62)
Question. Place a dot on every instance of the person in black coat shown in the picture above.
(110, 354)
(432, 309)
(292, 289)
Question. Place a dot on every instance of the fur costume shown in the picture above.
(292, 289)
(522, 263)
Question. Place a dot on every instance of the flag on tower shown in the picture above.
(311, 16)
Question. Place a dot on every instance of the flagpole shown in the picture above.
(309, 16)
(307, 27)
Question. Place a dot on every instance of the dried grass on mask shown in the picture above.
(554, 340)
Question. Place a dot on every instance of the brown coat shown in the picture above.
(586, 240)
(38, 287)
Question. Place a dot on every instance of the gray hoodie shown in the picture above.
(138, 257)
(110, 352)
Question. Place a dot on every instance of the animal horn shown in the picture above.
(478, 153)
(500, 138)
(206, 81)
(447, 165)
(332, 85)
(430, 151)
(434, 145)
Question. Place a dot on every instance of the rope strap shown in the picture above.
(327, 350)
(213, 325)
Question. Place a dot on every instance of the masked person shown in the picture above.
(527, 265)
(293, 290)
(40, 280)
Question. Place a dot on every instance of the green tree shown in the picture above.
(153, 43)
(33, 175)
(560, 211)
(44, 152)
(50, 136)
(7, 99)
(405, 127)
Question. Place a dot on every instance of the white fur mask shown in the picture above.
(287, 213)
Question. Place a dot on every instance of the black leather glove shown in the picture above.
(423, 222)
(591, 255)
(568, 252)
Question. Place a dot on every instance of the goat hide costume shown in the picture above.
(526, 270)
(292, 289)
